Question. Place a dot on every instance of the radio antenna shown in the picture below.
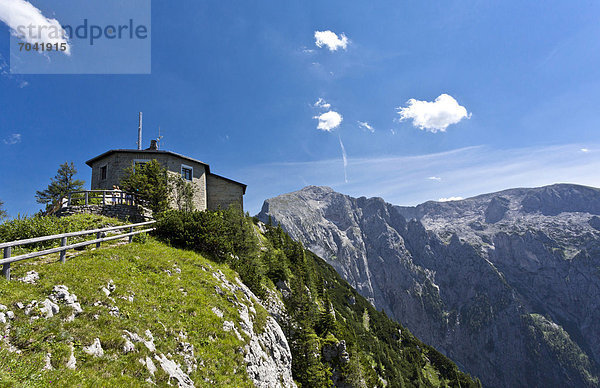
(159, 137)
(139, 142)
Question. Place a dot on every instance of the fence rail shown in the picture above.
(108, 197)
(100, 238)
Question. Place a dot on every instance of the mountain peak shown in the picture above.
(316, 190)
(471, 275)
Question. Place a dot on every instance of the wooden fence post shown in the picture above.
(130, 237)
(86, 198)
(69, 200)
(98, 235)
(103, 197)
(6, 267)
(63, 242)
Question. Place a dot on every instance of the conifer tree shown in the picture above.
(61, 185)
(326, 323)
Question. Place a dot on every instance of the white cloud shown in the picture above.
(450, 199)
(27, 23)
(392, 131)
(585, 150)
(13, 139)
(331, 40)
(321, 103)
(329, 121)
(434, 178)
(434, 116)
(367, 126)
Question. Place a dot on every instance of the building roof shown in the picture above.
(161, 152)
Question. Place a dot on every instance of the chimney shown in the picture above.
(153, 145)
(139, 142)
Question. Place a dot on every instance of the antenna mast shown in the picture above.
(159, 138)
(139, 142)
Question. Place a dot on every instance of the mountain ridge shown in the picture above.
(498, 282)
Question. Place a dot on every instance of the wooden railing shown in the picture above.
(104, 197)
(62, 249)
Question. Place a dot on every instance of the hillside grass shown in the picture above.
(159, 305)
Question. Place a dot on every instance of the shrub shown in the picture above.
(140, 238)
(24, 227)
(226, 235)
(202, 231)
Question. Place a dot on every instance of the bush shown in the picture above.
(200, 231)
(24, 227)
(226, 235)
(140, 238)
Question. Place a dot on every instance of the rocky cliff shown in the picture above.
(506, 284)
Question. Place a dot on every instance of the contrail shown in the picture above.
(344, 158)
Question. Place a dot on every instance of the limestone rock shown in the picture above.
(147, 362)
(48, 362)
(49, 308)
(217, 312)
(135, 338)
(129, 346)
(61, 294)
(72, 362)
(463, 276)
(174, 371)
(30, 307)
(30, 277)
(95, 349)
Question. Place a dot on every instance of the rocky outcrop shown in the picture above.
(267, 355)
(496, 210)
(505, 284)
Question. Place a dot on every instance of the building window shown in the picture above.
(103, 173)
(187, 172)
(139, 162)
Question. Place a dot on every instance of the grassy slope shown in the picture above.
(158, 306)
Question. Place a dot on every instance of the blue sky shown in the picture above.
(234, 84)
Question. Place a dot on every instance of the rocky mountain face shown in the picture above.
(506, 284)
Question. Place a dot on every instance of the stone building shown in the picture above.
(210, 190)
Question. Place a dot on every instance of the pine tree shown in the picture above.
(326, 322)
(62, 184)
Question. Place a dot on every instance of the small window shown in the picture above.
(103, 173)
(140, 162)
(187, 172)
